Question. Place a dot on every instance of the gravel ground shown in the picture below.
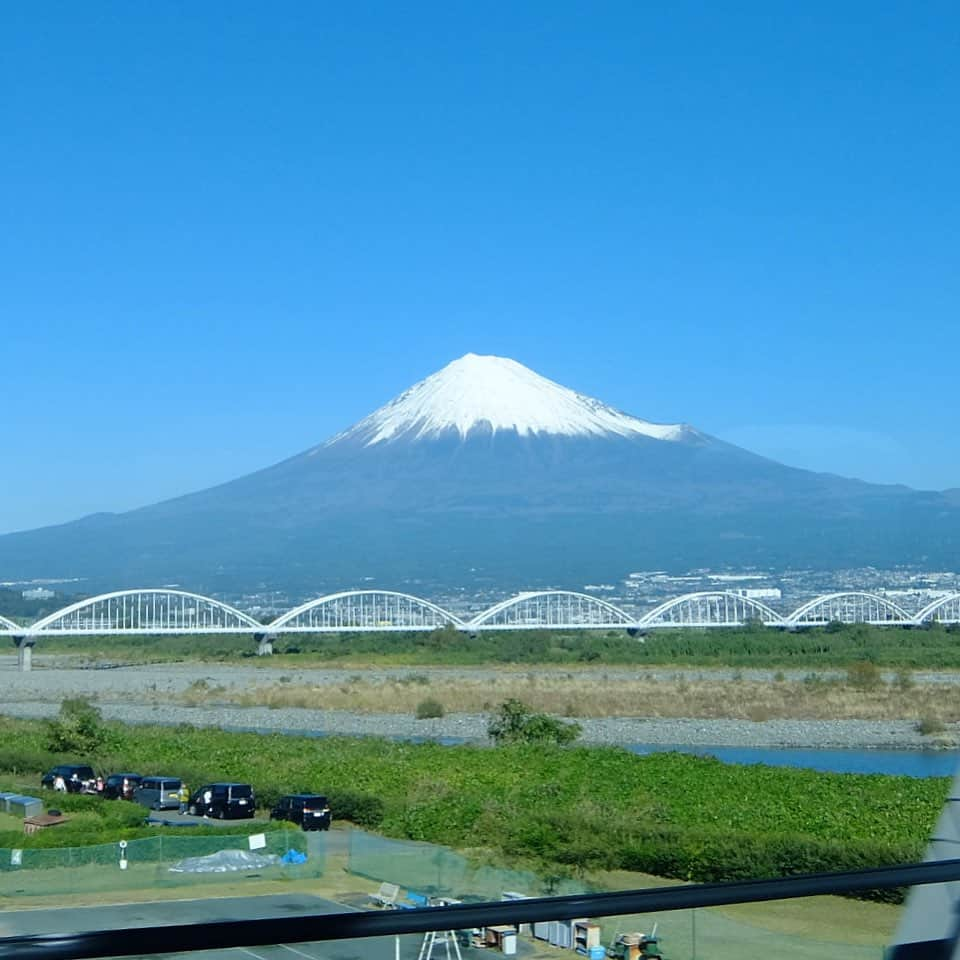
(134, 694)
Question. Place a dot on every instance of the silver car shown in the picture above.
(159, 793)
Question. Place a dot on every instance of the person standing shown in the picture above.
(184, 797)
(59, 784)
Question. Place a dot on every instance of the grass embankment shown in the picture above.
(860, 695)
(934, 647)
(583, 808)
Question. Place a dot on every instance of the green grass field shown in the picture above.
(934, 647)
(582, 808)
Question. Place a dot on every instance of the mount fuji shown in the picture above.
(488, 473)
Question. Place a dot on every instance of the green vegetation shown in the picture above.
(78, 729)
(834, 646)
(930, 726)
(429, 709)
(584, 808)
(20, 609)
(94, 821)
(515, 723)
(864, 675)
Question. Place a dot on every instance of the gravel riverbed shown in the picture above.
(143, 694)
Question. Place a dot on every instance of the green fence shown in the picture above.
(440, 872)
(711, 934)
(147, 864)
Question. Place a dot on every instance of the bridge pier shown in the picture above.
(24, 647)
(264, 644)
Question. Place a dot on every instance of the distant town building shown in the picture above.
(760, 593)
(37, 593)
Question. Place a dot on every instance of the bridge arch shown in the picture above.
(147, 611)
(852, 607)
(373, 610)
(534, 610)
(710, 608)
(8, 626)
(944, 610)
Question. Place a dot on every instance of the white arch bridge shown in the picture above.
(157, 612)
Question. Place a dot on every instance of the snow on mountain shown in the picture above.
(489, 393)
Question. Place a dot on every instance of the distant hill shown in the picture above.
(486, 472)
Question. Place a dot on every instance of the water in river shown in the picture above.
(910, 763)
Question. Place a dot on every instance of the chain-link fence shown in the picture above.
(430, 871)
(440, 872)
(151, 862)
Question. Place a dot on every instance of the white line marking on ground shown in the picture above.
(285, 946)
(252, 954)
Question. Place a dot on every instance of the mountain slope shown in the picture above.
(486, 471)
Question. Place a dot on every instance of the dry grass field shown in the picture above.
(856, 697)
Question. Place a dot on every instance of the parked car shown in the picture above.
(225, 801)
(76, 777)
(121, 786)
(310, 810)
(159, 793)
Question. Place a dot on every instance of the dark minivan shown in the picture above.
(75, 775)
(225, 801)
(121, 786)
(310, 810)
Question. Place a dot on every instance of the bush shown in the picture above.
(516, 724)
(864, 675)
(363, 809)
(929, 726)
(78, 729)
(904, 680)
(428, 709)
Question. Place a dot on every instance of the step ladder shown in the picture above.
(430, 940)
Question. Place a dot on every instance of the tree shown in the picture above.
(78, 729)
(515, 723)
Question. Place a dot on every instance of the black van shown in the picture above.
(310, 810)
(225, 801)
(121, 786)
(75, 776)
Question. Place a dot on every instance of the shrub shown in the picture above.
(929, 726)
(429, 708)
(515, 723)
(864, 675)
(904, 679)
(78, 729)
(363, 809)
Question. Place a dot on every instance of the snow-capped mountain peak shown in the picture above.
(490, 394)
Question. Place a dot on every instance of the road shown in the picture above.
(131, 916)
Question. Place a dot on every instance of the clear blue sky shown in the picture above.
(229, 229)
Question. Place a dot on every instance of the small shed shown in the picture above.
(22, 806)
(41, 821)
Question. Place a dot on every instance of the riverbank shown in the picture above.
(227, 696)
(471, 728)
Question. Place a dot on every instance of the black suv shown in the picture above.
(225, 801)
(121, 786)
(75, 777)
(310, 810)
